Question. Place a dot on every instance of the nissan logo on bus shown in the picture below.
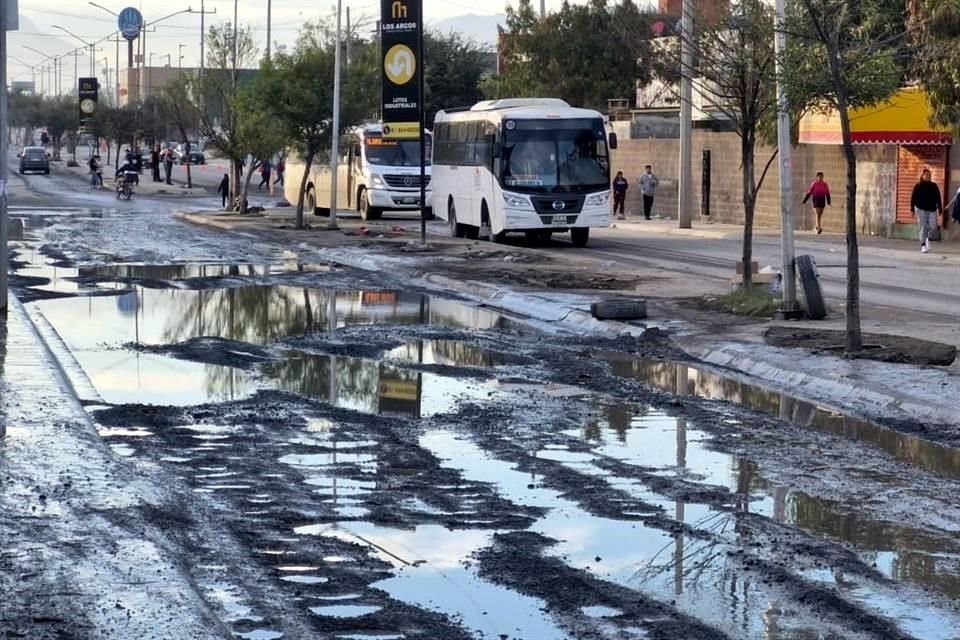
(558, 205)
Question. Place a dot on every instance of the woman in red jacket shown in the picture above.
(820, 192)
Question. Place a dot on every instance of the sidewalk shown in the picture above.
(147, 186)
(65, 503)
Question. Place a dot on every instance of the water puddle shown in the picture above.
(683, 379)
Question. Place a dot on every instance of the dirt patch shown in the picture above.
(879, 347)
(215, 351)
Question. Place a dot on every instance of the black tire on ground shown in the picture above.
(471, 232)
(619, 309)
(580, 236)
(428, 213)
(367, 212)
(810, 285)
(456, 229)
(310, 201)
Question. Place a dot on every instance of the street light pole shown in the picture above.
(269, 15)
(4, 168)
(335, 132)
(790, 309)
(684, 213)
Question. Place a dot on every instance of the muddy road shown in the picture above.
(340, 455)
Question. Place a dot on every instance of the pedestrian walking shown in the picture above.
(648, 186)
(168, 165)
(98, 171)
(926, 203)
(265, 170)
(281, 167)
(155, 163)
(224, 190)
(620, 186)
(92, 165)
(819, 191)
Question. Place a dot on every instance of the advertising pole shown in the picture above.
(4, 168)
(335, 132)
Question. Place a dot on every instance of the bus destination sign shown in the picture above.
(400, 25)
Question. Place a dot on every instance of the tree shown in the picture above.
(217, 90)
(298, 89)
(454, 69)
(180, 111)
(60, 116)
(736, 75)
(258, 133)
(845, 54)
(25, 113)
(935, 32)
(585, 54)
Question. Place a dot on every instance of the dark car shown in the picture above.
(34, 159)
(194, 157)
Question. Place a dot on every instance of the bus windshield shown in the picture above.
(555, 155)
(394, 153)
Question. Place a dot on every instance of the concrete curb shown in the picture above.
(844, 393)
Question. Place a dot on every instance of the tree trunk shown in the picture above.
(308, 164)
(854, 339)
(187, 149)
(749, 206)
(246, 186)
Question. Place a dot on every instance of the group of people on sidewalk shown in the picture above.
(925, 201)
(266, 172)
(647, 182)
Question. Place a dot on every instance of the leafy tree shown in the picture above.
(935, 32)
(60, 116)
(844, 54)
(585, 54)
(180, 111)
(25, 113)
(454, 69)
(218, 89)
(736, 75)
(258, 133)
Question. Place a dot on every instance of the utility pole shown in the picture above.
(789, 309)
(685, 200)
(335, 133)
(349, 37)
(117, 40)
(4, 168)
(76, 71)
(269, 16)
(543, 9)
(180, 60)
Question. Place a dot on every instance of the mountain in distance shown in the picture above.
(480, 29)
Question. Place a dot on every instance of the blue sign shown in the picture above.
(130, 22)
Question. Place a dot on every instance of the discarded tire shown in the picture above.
(810, 285)
(619, 309)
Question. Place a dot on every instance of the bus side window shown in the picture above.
(355, 151)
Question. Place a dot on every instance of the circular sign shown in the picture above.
(130, 22)
(400, 64)
(87, 105)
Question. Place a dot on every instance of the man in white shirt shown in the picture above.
(648, 184)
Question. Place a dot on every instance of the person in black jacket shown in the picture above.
(926, 203)
(224, 190)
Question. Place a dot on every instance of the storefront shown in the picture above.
(895, 143)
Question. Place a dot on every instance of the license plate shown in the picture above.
(409, 200)
(562, 221)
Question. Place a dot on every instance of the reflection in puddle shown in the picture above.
(431, 573)
(683, 379)
(344, 610)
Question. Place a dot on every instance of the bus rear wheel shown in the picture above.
(366, 211)
(580, 237)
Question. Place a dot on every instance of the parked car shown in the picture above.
(34, 159)
(194, 157)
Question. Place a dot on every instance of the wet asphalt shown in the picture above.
(347, 456)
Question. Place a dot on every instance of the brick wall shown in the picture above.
(876, 181)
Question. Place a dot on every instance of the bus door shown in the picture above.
(483, 177)
(353, 162)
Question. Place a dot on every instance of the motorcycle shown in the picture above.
(125, 185)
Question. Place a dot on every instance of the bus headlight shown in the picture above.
(513, 200)
(376, 180)
(598, 199)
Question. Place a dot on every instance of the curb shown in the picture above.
(205, 221)
(841, 393)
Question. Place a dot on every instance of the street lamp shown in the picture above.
(117, 41)
(46, 56)
(93, 48)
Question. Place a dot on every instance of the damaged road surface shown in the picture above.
(335, 455)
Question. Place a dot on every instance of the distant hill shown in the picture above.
(481, 29)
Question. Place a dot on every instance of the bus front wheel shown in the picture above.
(456, 229)
(580, 237)
(366, 211)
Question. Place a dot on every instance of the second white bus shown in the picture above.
(374, 175)
(537, 166)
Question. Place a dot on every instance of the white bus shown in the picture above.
(536, 165)
(374, 175)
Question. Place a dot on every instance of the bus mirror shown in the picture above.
(613, 141)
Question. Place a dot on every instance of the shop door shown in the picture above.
(911, 161)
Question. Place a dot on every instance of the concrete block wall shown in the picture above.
(876, 181)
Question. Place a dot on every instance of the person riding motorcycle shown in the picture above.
(127, 175)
